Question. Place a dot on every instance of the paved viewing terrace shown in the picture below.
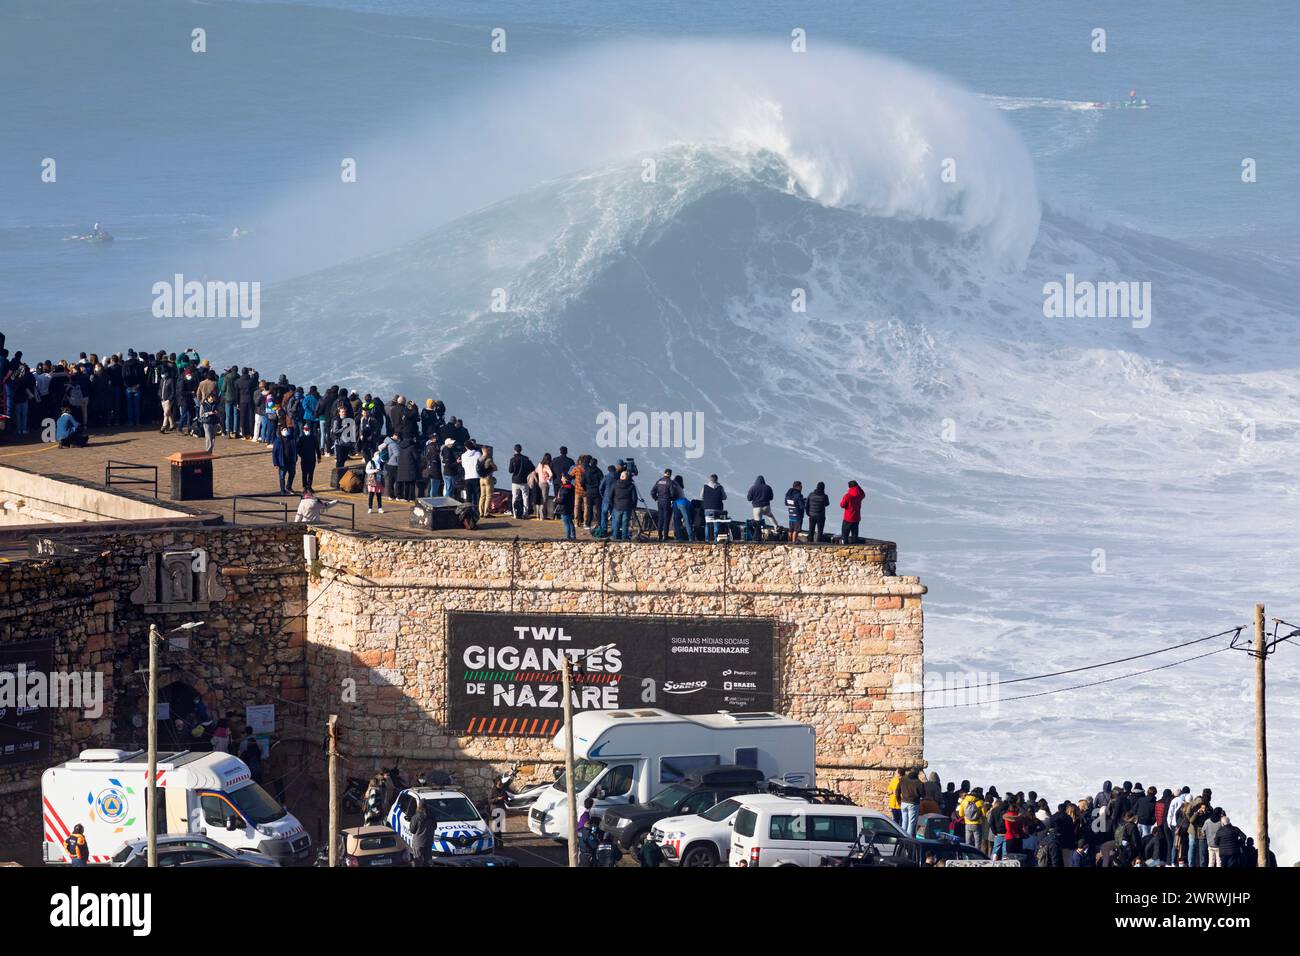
(244, 469)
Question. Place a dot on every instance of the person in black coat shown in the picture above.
(561, 465)
(308, 454)
(815, 506)
(623, 502)
(1229, 841)
(519, 467)
(564, 507)
(663, 493)
(1156, 846)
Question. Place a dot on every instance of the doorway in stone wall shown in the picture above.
(186, 706)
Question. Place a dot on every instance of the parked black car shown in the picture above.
(629, 825)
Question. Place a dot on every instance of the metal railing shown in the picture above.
(278, 508)
(112, 476)
(327, 517)
(280, 511)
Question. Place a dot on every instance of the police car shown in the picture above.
(458, 828)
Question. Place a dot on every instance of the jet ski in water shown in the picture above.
(96, 234)
(1132, 103)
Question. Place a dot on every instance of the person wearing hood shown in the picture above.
(933, 786)
(712, 497)
(760, 497)
(852, 505)
(564, 503)
(794, 507)
(430, 422)
(623, 501)
(816, 506)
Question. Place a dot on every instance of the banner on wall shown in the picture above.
(24, 717)
(504, 670)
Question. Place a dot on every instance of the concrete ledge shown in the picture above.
(88, 507)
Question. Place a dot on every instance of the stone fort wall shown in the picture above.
(370, 614)
(377, 653)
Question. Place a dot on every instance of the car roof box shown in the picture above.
(725, 774)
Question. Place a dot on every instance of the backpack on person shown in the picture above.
(970, 813)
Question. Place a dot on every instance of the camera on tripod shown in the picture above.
(628, 465)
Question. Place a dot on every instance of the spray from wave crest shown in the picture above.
(856, 131)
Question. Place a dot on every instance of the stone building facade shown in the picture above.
(362, 632)
(377, 655)
(95, 602)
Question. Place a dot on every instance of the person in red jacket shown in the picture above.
(852, 505)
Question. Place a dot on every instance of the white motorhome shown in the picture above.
(627, 756)
(212, 794)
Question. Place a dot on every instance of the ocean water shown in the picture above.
(1071, 490)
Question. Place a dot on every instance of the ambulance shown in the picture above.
(211, 794)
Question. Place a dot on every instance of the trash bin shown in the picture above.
(191, 475)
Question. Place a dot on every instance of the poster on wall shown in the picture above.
(24, 716)
(504, 670)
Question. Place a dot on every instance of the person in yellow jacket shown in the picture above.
(895, 808)
(971, 811)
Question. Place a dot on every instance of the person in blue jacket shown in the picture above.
(68, 431)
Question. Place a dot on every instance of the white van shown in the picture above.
(627, 756)
(211, 794)
(773, 831)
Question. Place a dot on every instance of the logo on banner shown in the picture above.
(684, 687)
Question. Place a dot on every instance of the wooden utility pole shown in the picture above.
(151, 773)
(151, 825)
(1261, 741)
(151, 776)
(568, 766)
(332, 834)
